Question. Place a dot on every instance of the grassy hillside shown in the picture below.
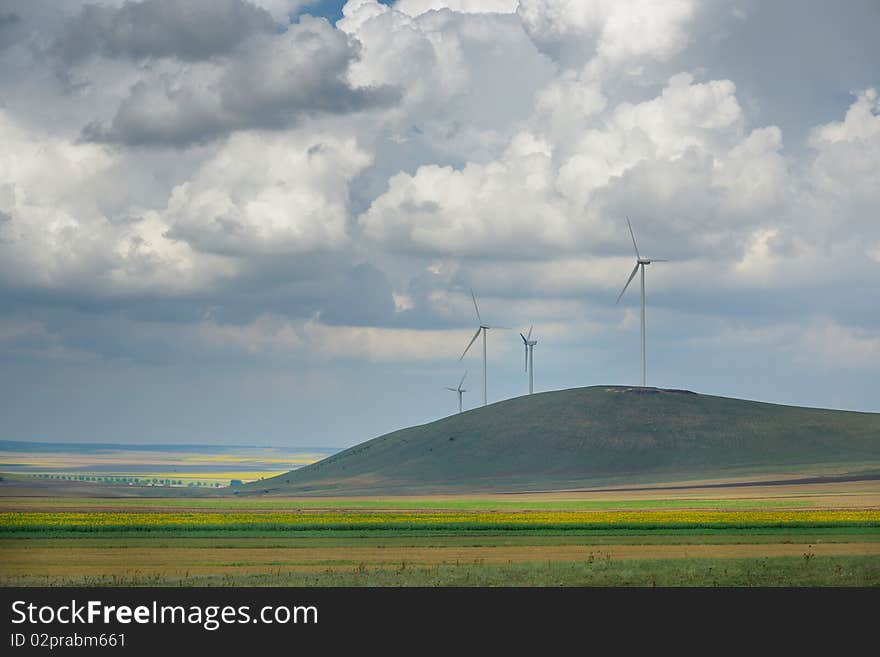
(591, 436)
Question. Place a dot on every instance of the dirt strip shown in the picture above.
(177, 561)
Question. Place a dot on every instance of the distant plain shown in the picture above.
(773, 546)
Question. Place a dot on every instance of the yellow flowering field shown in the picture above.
(97, 521)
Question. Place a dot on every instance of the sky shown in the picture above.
(257, 222)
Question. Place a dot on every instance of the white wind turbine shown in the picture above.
(459, 390)
(483, 328)
(640, 264)
(529, 345)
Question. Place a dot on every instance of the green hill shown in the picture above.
(592, 436)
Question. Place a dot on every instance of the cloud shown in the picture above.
(837, 345)
(9, 22)
(465, 79)
(274, 82)
(189, 30)
(57, 235)
(819, 341)
(268, 197)
(559, 188)
(313, 339)
(418, 7)
(848, 151)
(614, 32)
(284, 194)
(282, 10)
(480, 209)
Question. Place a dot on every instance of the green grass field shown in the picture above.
(769, 571)
(244, 544)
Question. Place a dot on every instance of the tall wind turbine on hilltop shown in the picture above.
(459, 390)
(640, 264)
(482, 328)
(529, 345)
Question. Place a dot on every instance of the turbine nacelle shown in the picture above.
(527, 341)
(640, 261)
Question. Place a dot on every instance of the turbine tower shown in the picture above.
(640, 264)
(529, 345)
(459, 390)
(482, 329)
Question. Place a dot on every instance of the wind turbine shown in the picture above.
(640, 264)
(529, 345)
(459, 390)
(483, 328)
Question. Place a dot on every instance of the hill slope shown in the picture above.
(587, 437)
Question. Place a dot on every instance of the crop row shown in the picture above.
(101, 521)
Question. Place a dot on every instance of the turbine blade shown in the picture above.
(479, 319)
(524, 338)
(659, 260)
(530, 332)
(628, 281)
(462, 379)
(452, 389)
(473, 339)
(527, 359)
(631, 234)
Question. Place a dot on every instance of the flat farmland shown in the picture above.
(808, 534)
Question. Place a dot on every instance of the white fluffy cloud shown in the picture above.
(268, 194)
(504, 207)
(465, 79)
(56, 234)
(615, 32)
(417, 7)
(848, 152)
(551, 193)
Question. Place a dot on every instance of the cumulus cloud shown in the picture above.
(614, 32)
(57, 235)
(417, 7)
(283, 10)
(465, 79)
(685, 153)
(272, 83)
(287, 194)
(184, 29)
(504, 207)
(848, 151)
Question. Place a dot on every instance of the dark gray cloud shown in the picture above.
(183, 29)
(342, 292)
(272, 83)
(9, 21)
